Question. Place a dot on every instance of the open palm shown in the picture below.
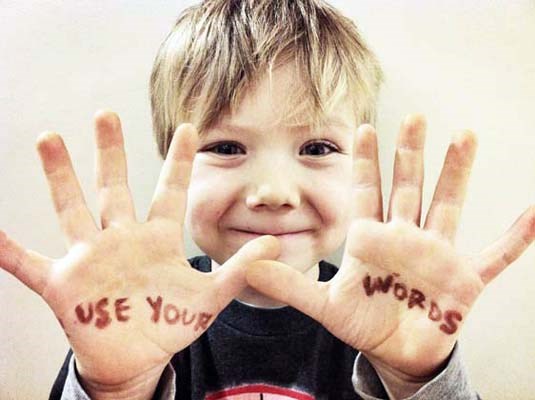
(125, 294)
(402, 292)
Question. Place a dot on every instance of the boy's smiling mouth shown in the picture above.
(272, 232)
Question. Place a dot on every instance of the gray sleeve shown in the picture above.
(451, 383)
(73, 390)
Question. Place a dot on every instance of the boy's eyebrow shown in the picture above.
(249, 129)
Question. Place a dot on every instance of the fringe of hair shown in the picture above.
(220, 48)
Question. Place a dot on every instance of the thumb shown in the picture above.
(29, 267)
(230, 277)
(283, 283)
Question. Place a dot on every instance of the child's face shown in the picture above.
(271, 180)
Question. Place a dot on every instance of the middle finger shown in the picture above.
(406, 196)
(114, 194)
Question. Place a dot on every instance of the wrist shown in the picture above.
(139, 387)
(399, 384)
(402, 376)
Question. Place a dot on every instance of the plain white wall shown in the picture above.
(462, 65)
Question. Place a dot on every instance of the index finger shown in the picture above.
(169, 200)
(367, 199)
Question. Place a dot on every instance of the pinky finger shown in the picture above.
(27, 266)
(495, 258)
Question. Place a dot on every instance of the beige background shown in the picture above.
(464, 66)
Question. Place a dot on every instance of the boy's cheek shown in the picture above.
(208, 201)
(203, 215)
(333, 202)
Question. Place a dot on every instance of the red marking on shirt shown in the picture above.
(257, 392)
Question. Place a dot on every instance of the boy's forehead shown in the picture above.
(281, 100)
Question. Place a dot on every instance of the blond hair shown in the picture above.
(219, 48)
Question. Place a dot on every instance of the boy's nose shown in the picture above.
(273, 195)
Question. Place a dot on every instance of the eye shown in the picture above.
(225, 148)
(319, 148)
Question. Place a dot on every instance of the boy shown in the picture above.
(265, 184)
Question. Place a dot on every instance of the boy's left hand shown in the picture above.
(402, 292)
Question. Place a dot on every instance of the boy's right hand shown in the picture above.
(125, 294)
